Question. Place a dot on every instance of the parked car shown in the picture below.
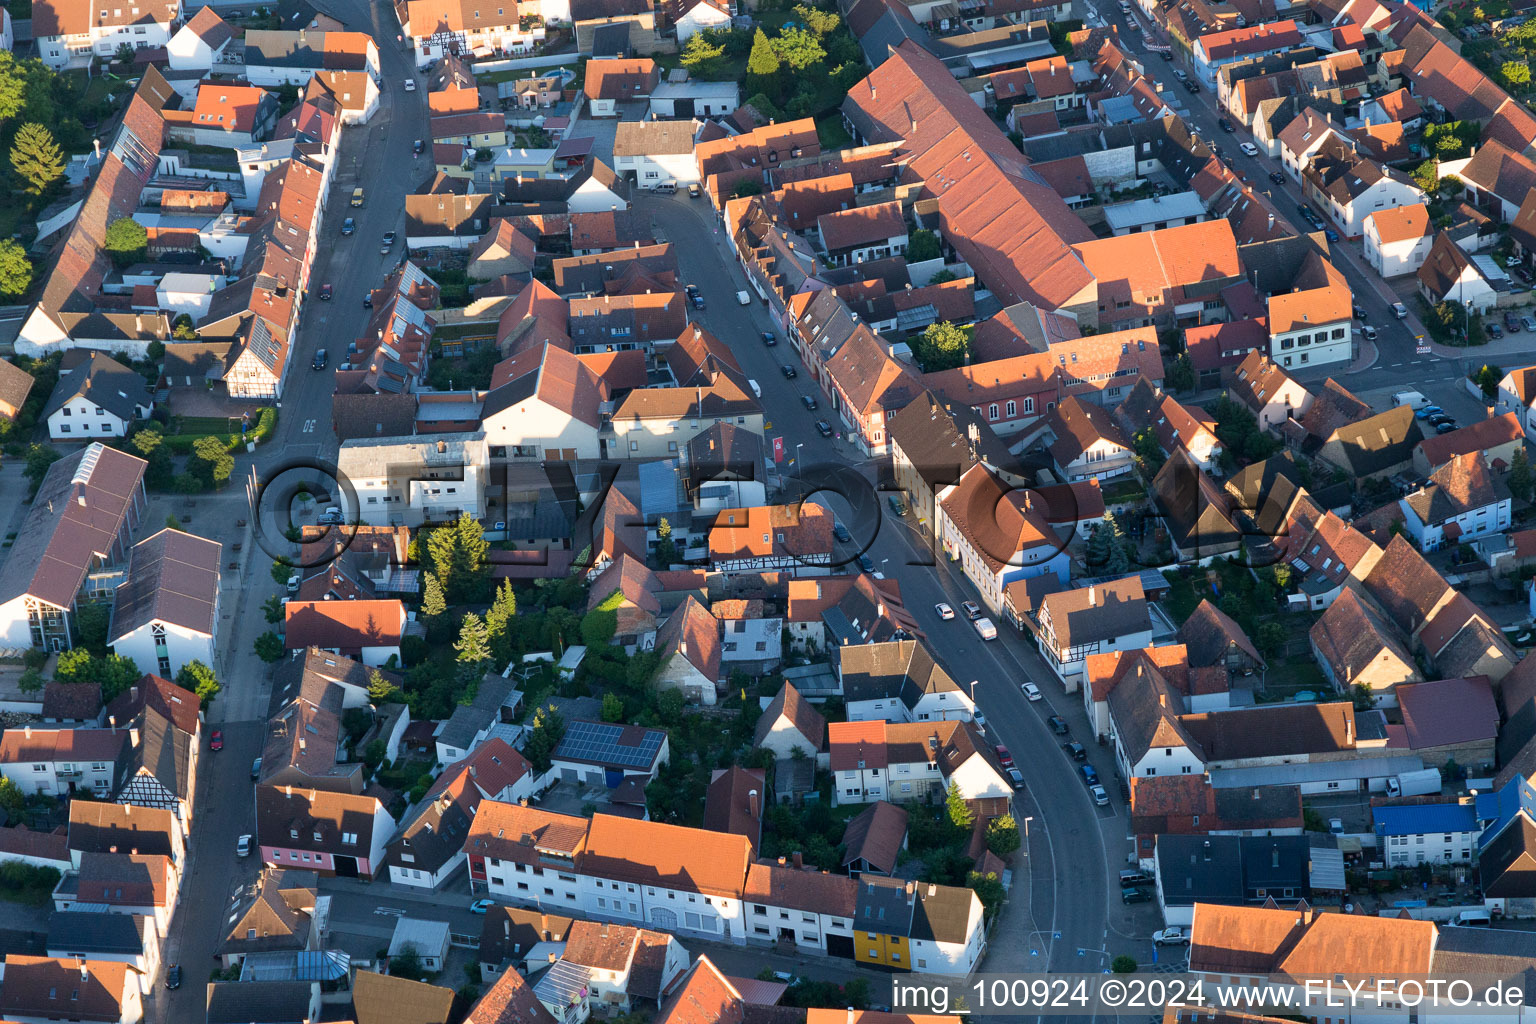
(1330, 234)
(256, 768)
(694, 192)
(419, 146)
(1016, 778)
(972, 610)
(1100, 796)
(1511, 323)
(1136, 894)
(1528, 323)
(823, 428)
(1399, 310)
(1493, 330)
(985, 629)
(388, 242)
(1058, 725)
(1428, 411)
(348, 226)
(217, 740)
(1003, 755)
(898, 506)
(691, 290)
(243, 846)
(481, 906)
(866, 563)
(1192, 86)
(809, 402)
(840, 532)
(1359, 313)
(788, 372)
(1444, 428)
(1075, 750)
(173, 977)
(1089, 773)
(769, 339)
(1368, 332)
(320, 359)
(698, 301)
(326, 291)
(1175, 936)
(1032, 692)
(1278, 177)
(1248, 148)
(945, 611)
(1225, 125)
(357, 197)
(332, 516)
(410, 85)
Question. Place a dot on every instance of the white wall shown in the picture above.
(82, 418)
(182, 645)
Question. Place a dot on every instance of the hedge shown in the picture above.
(266, 424)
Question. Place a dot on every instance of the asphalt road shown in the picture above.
(1075, 848)
(377, 156)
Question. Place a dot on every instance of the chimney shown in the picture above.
(1092, 598)
(1274, 856)
(133, 736)
(752, 807)
(85, 973)
(851, 1015)
(28, 730)
(1162, 700)
(133, 694)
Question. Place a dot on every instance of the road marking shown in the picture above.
(309, 427)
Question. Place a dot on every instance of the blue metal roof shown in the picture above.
(1422, 819)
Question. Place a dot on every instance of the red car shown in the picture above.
(217, 742)
(1004, 756)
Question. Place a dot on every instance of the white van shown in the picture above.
(744, 297)
(667, 188)
(755, 389)
(985, 628)
(1412, 399)
(1473, 919)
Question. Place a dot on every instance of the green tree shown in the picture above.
(432, 603)
(272, 608)
(1106, 547)
(959, 813)
(701, 56)
(12, 799)
(15, 268)
(1180, 375)
(1487, 378)
(380, 690)
(281, 572)
(1271, 639)
(598, 627)
(797, 48)
(39, 458)
(1516, 74)
(199, 678)
(1003, 836)
(13, 86)
(613, 707)
(1123, 964)
(459, 555)
(944, 276)
(474, 644)
(115, 673)
(37, 159)
(666, 548)
(942, 346)
(211, 460)
(763, 61)
(1149, 453)
(670, 705)
(1520, 478)
(269, 647)
(74, 666)
(498, 620)
(922, 244)
(30, 680)
(126, 241)
(182, 329)
(989, 889)
(543, 737)
(823, 23)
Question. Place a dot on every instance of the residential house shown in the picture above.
(511, 936)
(1354, 646)
(1197, 514)
(624, 966)
(688, 646)
(1462, 501)
(98, 397)
(793, 539)
(224, 115)
(510, 1000)
(368, 630)
(863, 233)
(906, 761)
(1426, 833)
(333, 833)
(1085, 442)
(76, 936)
(386, 999)
(61, 761)
(277, 916)
(874, 839)
(609, 754)
(279, 1002)
(1450, 274)
(1517, 394)
(166, 612)
(1397, 240)
(493, 707)
(1310, 324)
(653, 153)
(526, 854)
(788, 724)
(933, 444)
(1159, 278)
(916, 926)
(1174, 425)
(1074, 624)
(1375, 447)
(1212, 638)
(868, 386)
(1267, 390)
(135, 884)
(71, 34)
(15, 386)
(1497, 439)
(1495, 177)
(43, 988)
(427, 938)
(899, 681)
(409, 481)
(701, 15)
(609, 83)
(1218, 49)
(997, 533)
(429, 845)
(1009, 394)
(199, 43)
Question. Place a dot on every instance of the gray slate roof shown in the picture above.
(173, 577)
(104, 381)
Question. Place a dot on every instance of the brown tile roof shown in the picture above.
(1028, 373)
(124, 879)
(386, 999)
(1175, 425)
(802, 531)
(872, 381)
(20, 841)
(1406, 586)
(1350, 636)
(807, 721)
(100, 827)
(349, 625)
(1241, 940)
(71, 702)
(733, 802)
(1461, 485)
(694, 634)
(179, 705)
(1210, 633)
(28, 743)
(1355, 944)
(998, 520)
(210, 28)
(1274, 729)
(1448, 711)
(602, 946)
(704, 997)
(15, 385)
(876, 835)
(1476, 437)
(524, 835)
(855, 744)
(1400, 223)
(781, 885)
(45, 988)
(652, 853)
(509, 1001)
(283, 810)
(173, 578)
(1078, 426)
(620, 80)
(862, 225)
(1160, 264)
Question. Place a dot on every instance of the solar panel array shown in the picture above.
(601, 743)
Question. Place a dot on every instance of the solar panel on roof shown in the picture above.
(601, 743)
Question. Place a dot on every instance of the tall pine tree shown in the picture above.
(473, 645)
(36, 158)
(432, 603)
